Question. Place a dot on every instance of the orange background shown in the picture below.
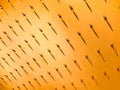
(106, 37)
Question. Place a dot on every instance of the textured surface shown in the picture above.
(59, 44)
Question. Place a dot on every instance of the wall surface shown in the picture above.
(59, 44)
